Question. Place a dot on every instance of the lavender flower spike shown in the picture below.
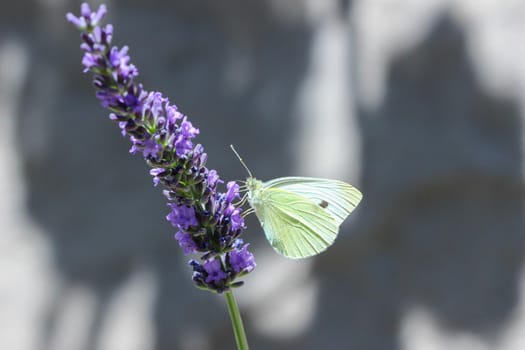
(207, 221)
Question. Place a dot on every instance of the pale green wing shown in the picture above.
(337, 198)
(294, 226)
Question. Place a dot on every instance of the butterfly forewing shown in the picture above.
(337, 198)
(295, 226)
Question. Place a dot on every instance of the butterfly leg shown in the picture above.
(242, 201)
(247, 212)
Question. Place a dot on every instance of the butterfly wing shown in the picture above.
(294, 225)
(337, 198)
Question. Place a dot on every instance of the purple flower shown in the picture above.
(214, 270)
(87, 17)
(172, 115)
(242, 259)
(233, 191)
(183, 142)
(186, 242)
(153, 106)
(89, 61)
(237, 222)
(151, 149)
(119, 60)
(182, 216)
(156, 172)
(213, 178)
(207, 220)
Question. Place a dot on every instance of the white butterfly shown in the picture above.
(301, 215)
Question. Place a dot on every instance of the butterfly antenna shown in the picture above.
(242, 162)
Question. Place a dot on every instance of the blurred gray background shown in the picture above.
(419, 103)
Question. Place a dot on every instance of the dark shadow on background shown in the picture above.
(462, 245)
(96, 204)
(441, 226)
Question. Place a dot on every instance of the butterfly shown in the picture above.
(300, 216)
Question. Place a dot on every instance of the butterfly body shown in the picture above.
(301, 216)
(254, 191)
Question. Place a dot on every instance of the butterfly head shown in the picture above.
(253, 184)
(255, 187)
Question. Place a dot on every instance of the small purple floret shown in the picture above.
(214, 270)
(213, 178)
(183, 142)
(182, 216)
(87, 17)
(151, 149)
(156, 172)
(237, 222)
(232, 192)
(242, 259)
(186, 242)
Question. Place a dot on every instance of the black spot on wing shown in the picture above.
(323, 204)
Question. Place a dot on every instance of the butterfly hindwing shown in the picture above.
(337, 198)
(294, 225)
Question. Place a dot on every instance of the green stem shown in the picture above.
(235, 315)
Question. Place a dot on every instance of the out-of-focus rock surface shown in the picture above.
(417, 103)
